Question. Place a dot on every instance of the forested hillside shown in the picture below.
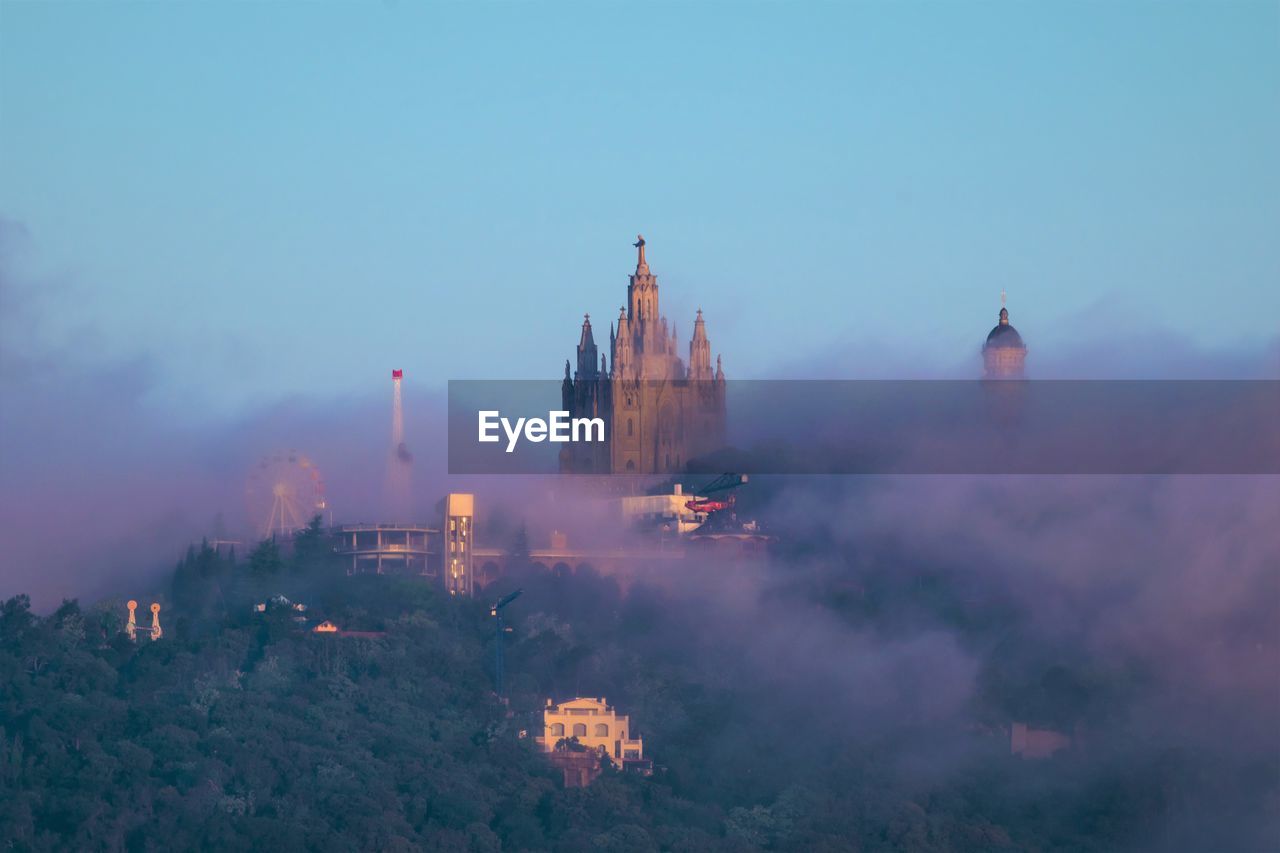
(793, 710)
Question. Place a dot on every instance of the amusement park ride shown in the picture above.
(284, 493)
(132, 628)
(723, 483)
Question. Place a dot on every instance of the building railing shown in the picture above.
(374, 551)
(356, 528)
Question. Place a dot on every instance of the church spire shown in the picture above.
(621, 356)
(587, 350)
(699, 350)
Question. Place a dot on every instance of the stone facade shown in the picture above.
(658, 412)
(594, 725)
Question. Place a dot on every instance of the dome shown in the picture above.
(1004, 335)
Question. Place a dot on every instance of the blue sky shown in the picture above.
(285, 199)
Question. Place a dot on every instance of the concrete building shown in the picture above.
(658, 412)
(444, 552)
(596, 725)
(667, 513)
(457, 548)
(386, 548)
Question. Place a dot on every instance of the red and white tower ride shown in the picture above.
(400, 461)
(397, 410)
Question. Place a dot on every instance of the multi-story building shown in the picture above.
(595, 725)
(458, 543)
(658, 412)
(385, 548)
(417, 549)
(664, 513)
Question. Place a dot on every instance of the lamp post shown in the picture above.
(496, 612)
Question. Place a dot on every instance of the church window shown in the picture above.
(631, 427)
(631, 465)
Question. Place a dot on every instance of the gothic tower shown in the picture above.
(700, 351)
(658, 413)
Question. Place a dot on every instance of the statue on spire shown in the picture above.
(639, 244)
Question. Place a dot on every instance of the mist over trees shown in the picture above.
(856, 692)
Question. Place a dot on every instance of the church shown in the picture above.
(1004, 355)
(658, 412)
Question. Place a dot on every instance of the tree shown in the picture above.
(265, 560)
(311, 550)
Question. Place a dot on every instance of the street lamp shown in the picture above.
(496, 612)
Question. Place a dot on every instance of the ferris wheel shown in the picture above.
(285, 491)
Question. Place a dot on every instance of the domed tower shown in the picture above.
(1004, 355)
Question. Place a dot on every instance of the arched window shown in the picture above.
(557, 729)
(602, 729)
(579, 729)
(631, 427)
(631, 465)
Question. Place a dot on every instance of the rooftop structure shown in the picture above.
(1004, 355)
(327, 627)
(666, 513)
(385, 548)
